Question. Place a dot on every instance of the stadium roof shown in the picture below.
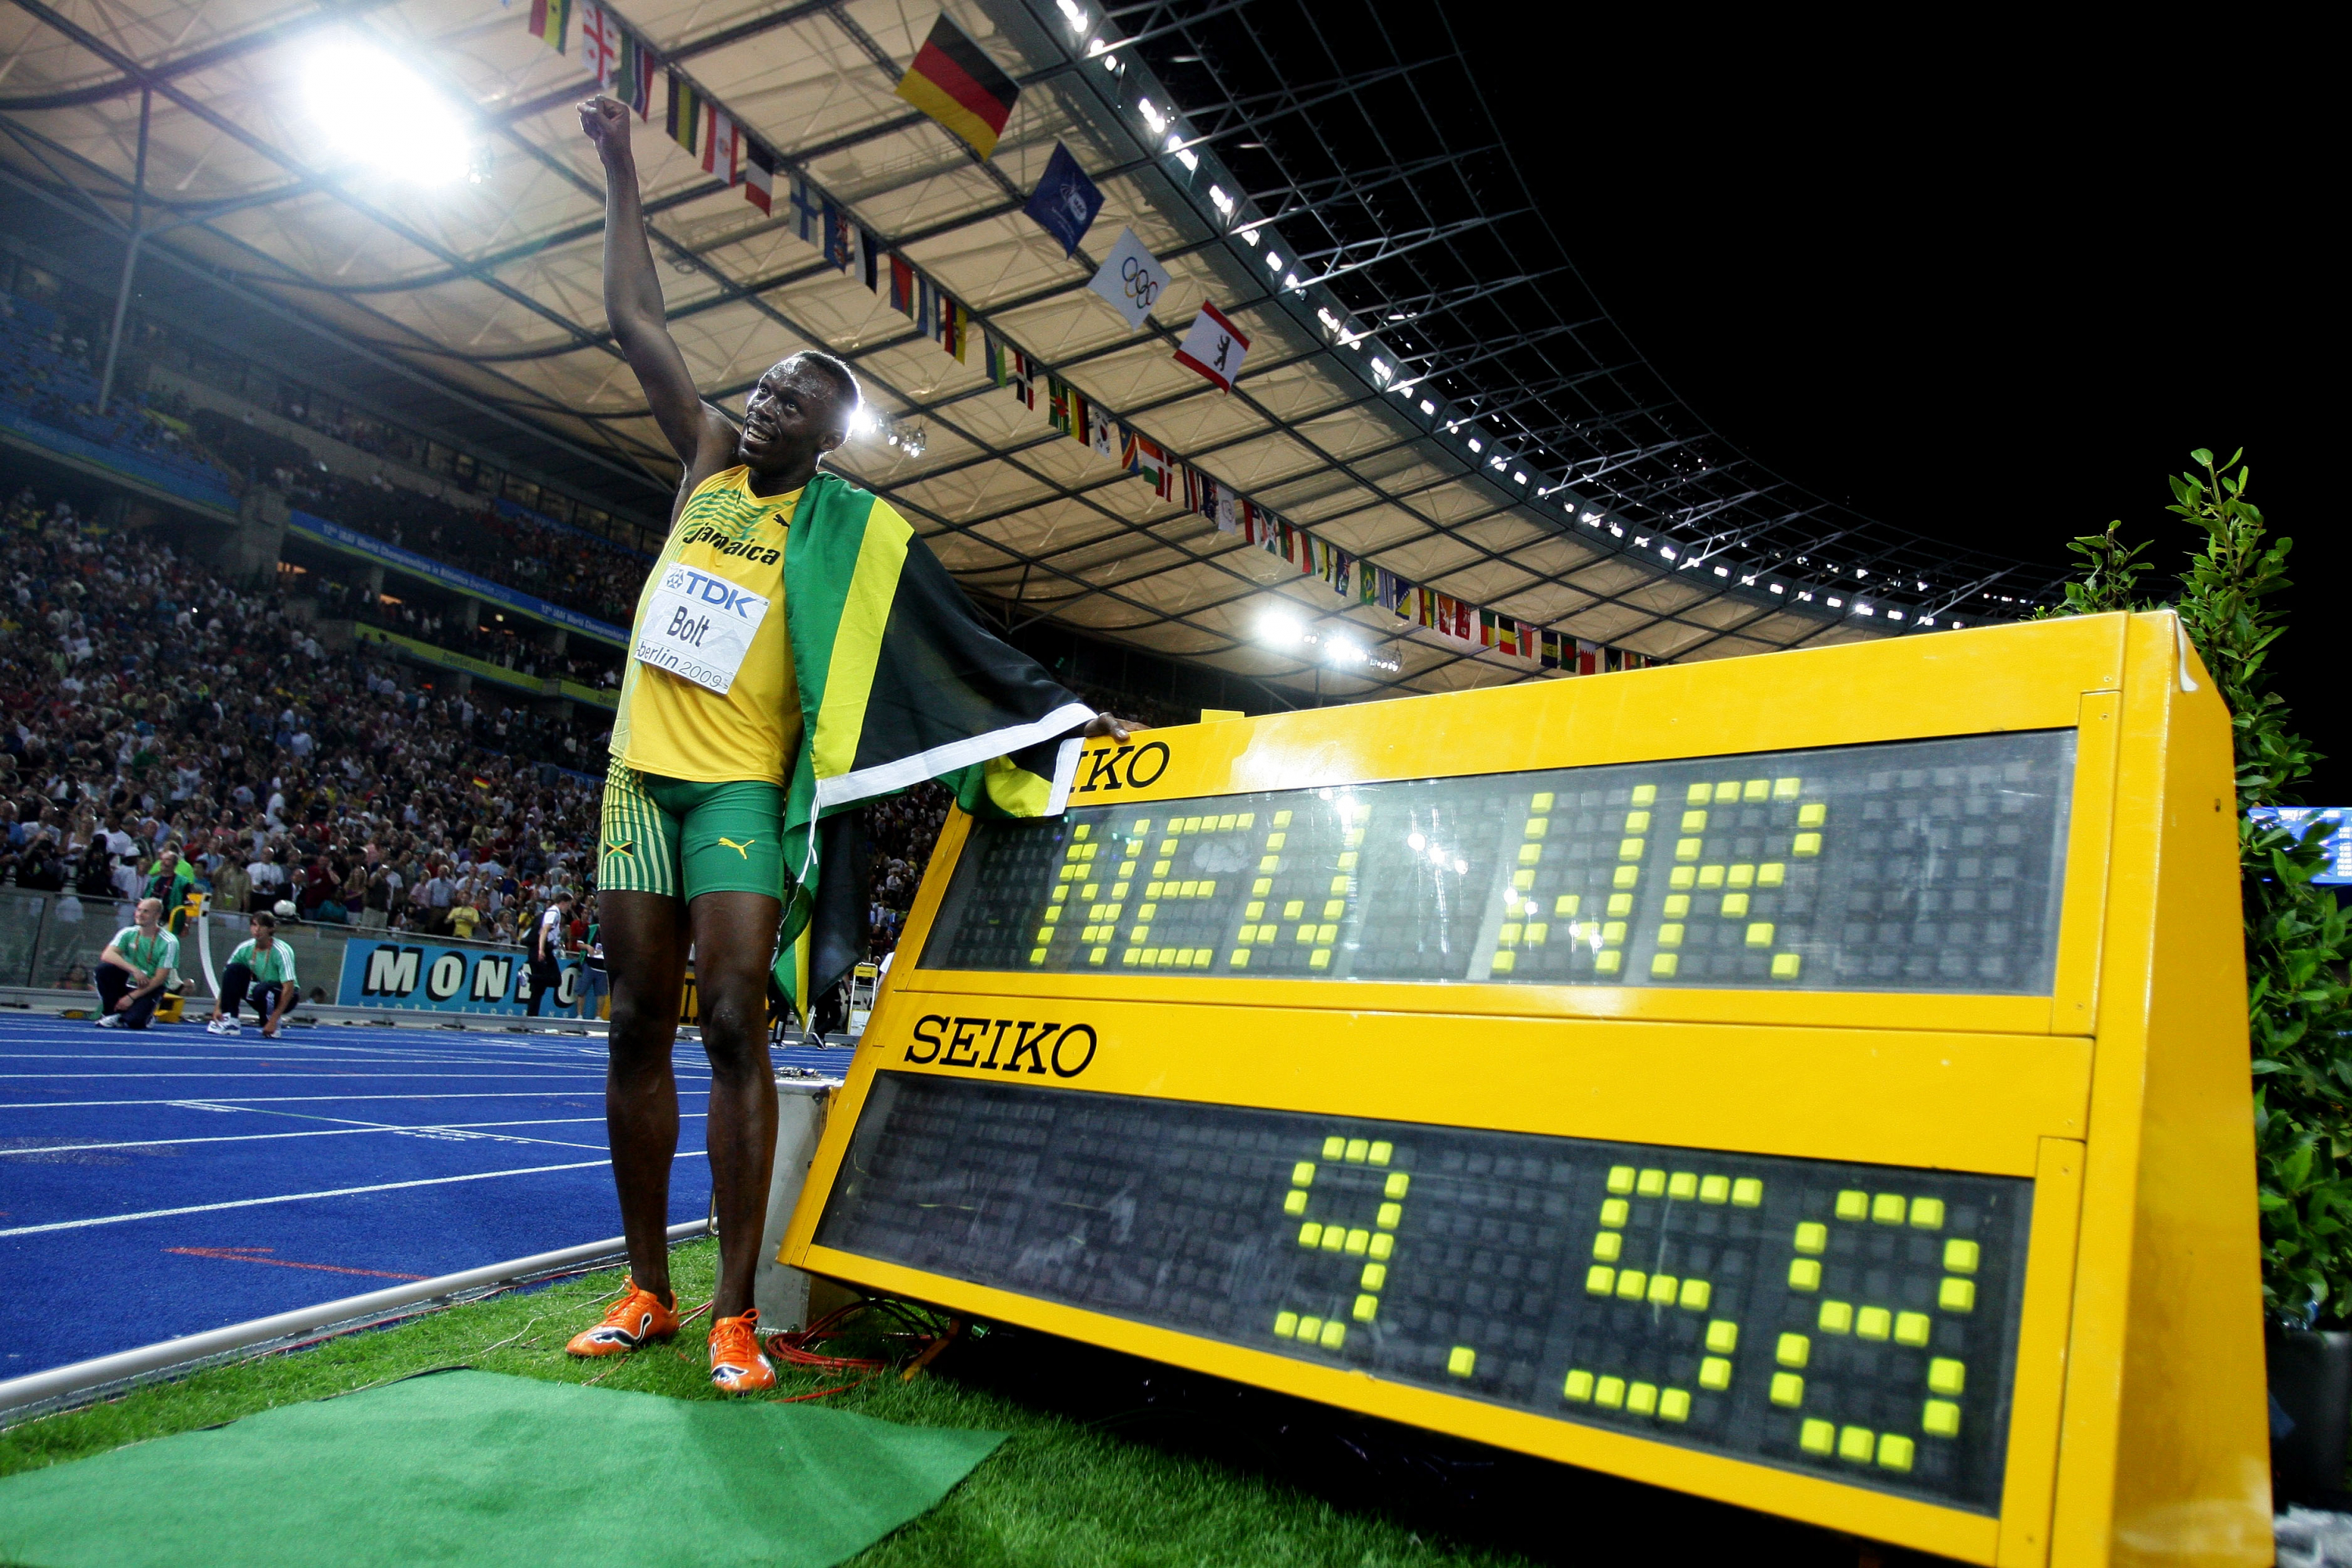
(1428, 386)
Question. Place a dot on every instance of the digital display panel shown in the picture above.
(1919, 866)
(1853, 1320)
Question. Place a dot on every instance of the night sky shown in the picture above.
(1985, 301)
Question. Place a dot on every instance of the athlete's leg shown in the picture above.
(234, 981)
(734, 940)
(644, 943)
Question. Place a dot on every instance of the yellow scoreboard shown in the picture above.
(1816, 1081)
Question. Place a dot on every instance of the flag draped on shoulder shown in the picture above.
(951, 701)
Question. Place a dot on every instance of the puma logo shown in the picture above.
(744, 849)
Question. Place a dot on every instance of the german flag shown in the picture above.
(956, 84)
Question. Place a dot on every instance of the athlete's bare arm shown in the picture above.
(703, 438)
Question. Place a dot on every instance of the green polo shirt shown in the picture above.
(157, 954)
(273, 969)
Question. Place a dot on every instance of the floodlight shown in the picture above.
(1343, 650)
(864, 422)
(1280, 628)
(376, 111)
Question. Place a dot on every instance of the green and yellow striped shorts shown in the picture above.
(683, 839)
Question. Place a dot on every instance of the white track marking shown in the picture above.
(328, 1133)
(305, 1197)
(313, 1077)
(245, 1100)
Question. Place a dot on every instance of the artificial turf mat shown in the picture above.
(1111, 1463)
(481, 1468)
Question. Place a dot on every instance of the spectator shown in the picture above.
(382, 894)
(265, 880)
(231, 886)
(596, 983)
(547, 950)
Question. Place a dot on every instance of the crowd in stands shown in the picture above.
(47, 373)
(150, 711)
(508, 545)
(155, 716)
(903, 831)
(589, 663)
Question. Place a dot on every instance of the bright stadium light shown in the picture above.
(376, 111)
(1282, 630)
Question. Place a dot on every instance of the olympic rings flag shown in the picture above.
(1131, 278)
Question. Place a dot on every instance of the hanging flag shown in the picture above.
(1527, 639)
(927, 307)
(1549, 656)
(1130, 279)
(1453, 619)
(722, 146)
(808, 211)
(955, 322)
(1343, 567)
(1023, 373)
(1214, 348)
(759, 178)
(834, 235)
(1192, 479)
(1274, 537)
(1368, 582)
(991, 358)
(1588, 658)
(902, 287)
(633, 80)
(550, 20)
(1065, 202)
(685, 111)
(1151, 461)
(1228, 512)
(600, 43)
(955, 82)
(869, 251)
(1393, 594)
(1058, 404)
(1500, 632)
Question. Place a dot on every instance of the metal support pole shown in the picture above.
(129, 253)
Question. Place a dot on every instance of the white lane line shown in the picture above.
(332, 1132)
(300, 1099)
(305, 1197)
(426, 1077)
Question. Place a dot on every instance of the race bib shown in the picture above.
(699, 626)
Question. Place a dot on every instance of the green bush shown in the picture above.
(2299, 1008)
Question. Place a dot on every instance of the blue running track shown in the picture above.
(166, 1181)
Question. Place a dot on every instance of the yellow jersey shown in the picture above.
(672, 727)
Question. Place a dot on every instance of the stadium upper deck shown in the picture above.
(1527, 466)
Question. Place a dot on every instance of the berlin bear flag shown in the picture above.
(1214, 347)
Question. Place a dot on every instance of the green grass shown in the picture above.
(1059, 1493)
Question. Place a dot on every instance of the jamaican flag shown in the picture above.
(900, 681)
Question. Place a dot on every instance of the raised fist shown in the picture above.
(605, 122)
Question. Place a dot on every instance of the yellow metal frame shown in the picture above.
(2136, 1425)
